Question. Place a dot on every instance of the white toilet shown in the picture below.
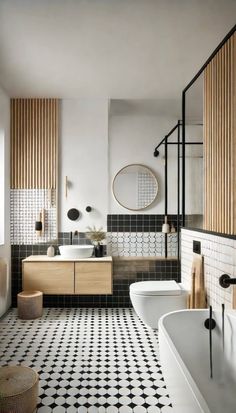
(152, 299)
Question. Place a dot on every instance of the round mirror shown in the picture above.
(135, 187)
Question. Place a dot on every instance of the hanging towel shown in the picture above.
(234, 298)
(197, 297)
(3, 279)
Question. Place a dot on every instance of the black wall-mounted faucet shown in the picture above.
(225, 281)
(71, 238)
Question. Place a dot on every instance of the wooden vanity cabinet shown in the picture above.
(67, 277)
(49, 277)
(93, 278)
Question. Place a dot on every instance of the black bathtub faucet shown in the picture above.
(225, 280)
(210, 324)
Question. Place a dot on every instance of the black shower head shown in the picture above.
(156, 153)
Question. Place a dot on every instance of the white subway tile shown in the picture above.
(219, 257)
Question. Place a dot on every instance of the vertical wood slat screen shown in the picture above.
(34, 143)
(220, 140)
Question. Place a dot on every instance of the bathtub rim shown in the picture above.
(200, 400)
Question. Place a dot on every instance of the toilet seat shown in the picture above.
(155, 288)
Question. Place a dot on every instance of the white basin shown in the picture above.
(76, 251)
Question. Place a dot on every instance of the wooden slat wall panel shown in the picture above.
(34, 143)
(220, 140)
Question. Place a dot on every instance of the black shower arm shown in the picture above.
(225, 281)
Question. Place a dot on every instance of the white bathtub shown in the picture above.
(184, 355)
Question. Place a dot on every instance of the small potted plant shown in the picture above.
(96, 236)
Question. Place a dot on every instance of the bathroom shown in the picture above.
(91, 104)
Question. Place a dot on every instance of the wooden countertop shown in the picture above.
(56, 258)
(40, 258)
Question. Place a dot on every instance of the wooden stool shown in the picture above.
(30, 304)
(18, 389)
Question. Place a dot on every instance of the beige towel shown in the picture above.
(3, 278)
(197, 298)
(234, 298)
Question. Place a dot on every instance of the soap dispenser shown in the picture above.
(172, 228)
(165, 226)
(51, 251)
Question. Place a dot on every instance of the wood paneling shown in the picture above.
(49, 277)
(93, 278)
(34, 143)
(220, 140)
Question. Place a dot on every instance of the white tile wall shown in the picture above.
(140, 244)
(25, 205)
(219, 257)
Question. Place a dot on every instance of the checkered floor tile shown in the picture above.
(88, 360)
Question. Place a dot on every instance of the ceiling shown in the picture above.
(119, 49)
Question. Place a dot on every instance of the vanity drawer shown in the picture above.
(48, 277)
(93, 278)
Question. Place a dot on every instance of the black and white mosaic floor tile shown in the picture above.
(88, 360)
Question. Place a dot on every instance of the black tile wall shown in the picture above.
(125, 273)
(138, 223)
(159, 270)
(147, 223)
(19, 252)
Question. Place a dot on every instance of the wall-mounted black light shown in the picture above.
(40, 223)
(73, 214)
(38, 226)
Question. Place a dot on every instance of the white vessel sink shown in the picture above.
(76, 251)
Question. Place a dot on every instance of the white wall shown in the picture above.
(5, 250)
(132, 139)
(194, 185)
(96, 143)
(219, 255)
(83, 157)
(90, 158)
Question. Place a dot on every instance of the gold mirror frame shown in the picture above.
(150, 172)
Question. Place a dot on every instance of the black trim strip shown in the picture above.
(217, 234)
(186, 143)
(183, 159)
(178, 192)
(166, 191)
(231, 32)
